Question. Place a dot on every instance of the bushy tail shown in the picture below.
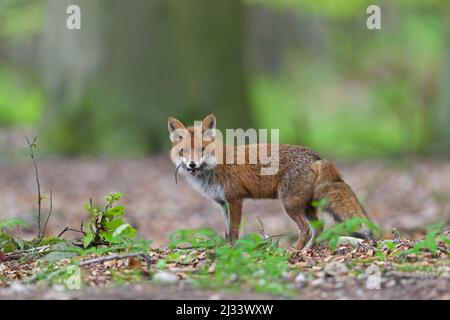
(341, 202)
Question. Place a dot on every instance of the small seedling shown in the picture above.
(430, 243)
(197, 238)
(107, 226)
(346, 228)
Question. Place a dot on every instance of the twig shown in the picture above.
(41, 231)
(396, 235)
(20, 253)
(176, 173)
(32, 145)
(114, 257)
(91, 207)
(197, 247)
(275, 236)
(48, 215)
(29, 250)
(70, 229)
(261, 229)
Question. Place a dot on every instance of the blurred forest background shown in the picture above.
(308, 67)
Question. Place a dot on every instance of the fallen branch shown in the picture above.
(344, 240)
(20, 253)
(115, 256)
(211, 246)
(275, 236)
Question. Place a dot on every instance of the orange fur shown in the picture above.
(303, 176)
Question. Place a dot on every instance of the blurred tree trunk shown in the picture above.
(112, 84)
(440, 117)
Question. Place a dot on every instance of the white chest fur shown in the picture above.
(205, 184)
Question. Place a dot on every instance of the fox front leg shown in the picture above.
(235, 212)
(226, 218)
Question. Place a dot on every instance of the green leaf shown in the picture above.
(10, 223)
(62, 250)
(113, 224)
(121, 229)
(88, 238)
(196, 238)
(380, 255)
(58, 255)
(390, 244)
(117, 211)
(113, 197)
(333, 242)
(446, 240)
(317, 224)
(161, 264)
(320, 204)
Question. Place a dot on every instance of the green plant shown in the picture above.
(430, 242)
(320, 204)
(107, 226)
(9, 242)
(389, 244)
(69, 276)
(346, 228)
(197, 238)
(10, 223)
(252, 262)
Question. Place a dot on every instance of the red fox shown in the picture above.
(302, 177)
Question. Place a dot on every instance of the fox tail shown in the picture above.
(341, 202)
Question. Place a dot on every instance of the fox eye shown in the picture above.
(180, 138)
(181, 152)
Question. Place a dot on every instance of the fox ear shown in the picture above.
(209, 123)
(173, 125)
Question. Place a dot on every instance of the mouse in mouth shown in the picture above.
(194, 171)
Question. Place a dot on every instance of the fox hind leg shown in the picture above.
(315, 226)
(295, 192)
(299, 217)
(295, 207)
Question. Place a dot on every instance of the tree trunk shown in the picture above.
(112, 84)
(440, 126)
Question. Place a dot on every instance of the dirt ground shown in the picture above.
(399, 289)
(405, 194)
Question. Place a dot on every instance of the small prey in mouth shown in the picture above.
(176, 173)
(193, 171)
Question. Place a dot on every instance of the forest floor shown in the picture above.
(406, 194)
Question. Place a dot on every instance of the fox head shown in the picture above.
(193, 148)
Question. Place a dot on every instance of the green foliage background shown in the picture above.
(310, 68)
